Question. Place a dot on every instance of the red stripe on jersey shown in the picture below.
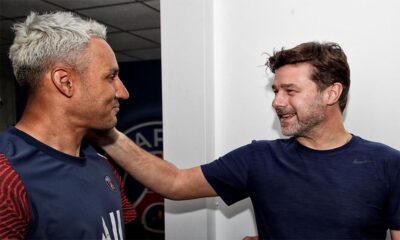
(15, 212)
(129, 210)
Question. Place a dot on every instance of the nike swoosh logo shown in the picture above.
(356, 161)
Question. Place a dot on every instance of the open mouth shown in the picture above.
(286, 116)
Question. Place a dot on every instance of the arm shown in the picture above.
(157, 174)
(15, 213)
(395, 234)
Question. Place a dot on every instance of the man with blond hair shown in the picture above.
(52, 184)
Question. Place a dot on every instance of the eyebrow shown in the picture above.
(288, 85)
(114, 70)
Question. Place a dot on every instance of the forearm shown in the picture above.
(159, 175)
(148, 169)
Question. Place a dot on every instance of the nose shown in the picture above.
(120, 90)
(279, 100)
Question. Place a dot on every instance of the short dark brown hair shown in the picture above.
(328, 60)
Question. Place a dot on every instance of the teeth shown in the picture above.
(287, 115)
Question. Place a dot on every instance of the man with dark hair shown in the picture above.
(328, 61)
(53, 185)
(322, 183)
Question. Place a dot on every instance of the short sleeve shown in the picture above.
(15, 213)
(228, 175)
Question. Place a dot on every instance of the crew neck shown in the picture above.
(336, 150)
(46, 148)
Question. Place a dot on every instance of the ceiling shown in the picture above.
(133, 26)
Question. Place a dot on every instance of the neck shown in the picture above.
(328, 135)
(325, 142)
(52, 129)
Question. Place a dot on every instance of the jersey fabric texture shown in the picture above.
(47, 194)
(351, 192)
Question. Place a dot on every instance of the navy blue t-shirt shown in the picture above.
(69, 197)
(351, 192)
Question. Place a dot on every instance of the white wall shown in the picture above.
(188, 115)
(214, 83)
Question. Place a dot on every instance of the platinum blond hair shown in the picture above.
(43, 40)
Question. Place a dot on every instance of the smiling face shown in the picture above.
(100, 87)
(298, 102)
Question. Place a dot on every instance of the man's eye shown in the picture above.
(111, 77)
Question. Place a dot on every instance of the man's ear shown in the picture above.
(62, 79)
(333, 93)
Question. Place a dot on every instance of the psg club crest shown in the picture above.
(109, 183)
(149, 205)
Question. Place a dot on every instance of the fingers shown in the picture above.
(101, 138)
(250, 238)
